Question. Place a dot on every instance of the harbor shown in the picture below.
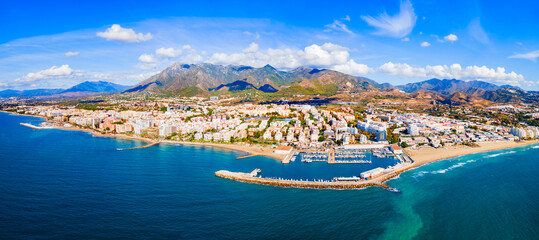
(360, 167)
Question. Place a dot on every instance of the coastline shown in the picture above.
(23, 114)
(424, 156)
(420, 157)
(428, 155)
(256, 150)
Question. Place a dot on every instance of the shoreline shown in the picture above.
(259, 150)
(428, 155)
(421, 157)
(379, 181)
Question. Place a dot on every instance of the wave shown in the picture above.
(442, 171)
(536, 146)
(420, 174)
(499, 154)
(460, 164)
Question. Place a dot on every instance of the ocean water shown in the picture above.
(57, 184)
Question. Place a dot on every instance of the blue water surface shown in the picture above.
(69, 184)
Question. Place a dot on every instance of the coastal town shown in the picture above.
(332, 133)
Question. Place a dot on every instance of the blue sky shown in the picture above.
(57, 44)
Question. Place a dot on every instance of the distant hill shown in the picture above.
(268, 88)
(447, 86)
(472, 90)
(29, 93)
(80, 90)
(241, 85)
(180, 77)
(97, 86)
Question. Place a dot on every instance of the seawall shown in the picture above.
(247, 178)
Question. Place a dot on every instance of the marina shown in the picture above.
(370, 165)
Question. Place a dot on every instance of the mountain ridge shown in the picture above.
(82, 89)
(205, 76)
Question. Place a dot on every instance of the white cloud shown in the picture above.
(397, 26)
(456, 71)
(477, 32)
(325, 55)
(54, 72)
(116, 32)
(402, 70)
(347, 18)
(256, 35)
(192, 58)
(451, 37)
(252, 48)
(425, 44)
(405, 39)
(532, 56)
(147, 58)
(328, 55)
(147, 61)
(338, 26)
(352, 68)
(71, 54)
(168, 52)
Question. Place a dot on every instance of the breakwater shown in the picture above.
(139, 147)
(33, 126)
(249, 178)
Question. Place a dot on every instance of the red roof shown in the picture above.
(395, 147)
(285, 148)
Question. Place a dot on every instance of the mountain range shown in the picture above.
(205, 77)
(459, 89)
(87, 88)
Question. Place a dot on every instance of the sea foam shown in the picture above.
(499, 154)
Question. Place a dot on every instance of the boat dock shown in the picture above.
(335, 157)
(291, 156)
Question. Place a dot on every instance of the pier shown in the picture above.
(317, 184)
(248, 156)
(139, 147)
(33, 126)
(291, 156)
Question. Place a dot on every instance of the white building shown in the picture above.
(413, 129)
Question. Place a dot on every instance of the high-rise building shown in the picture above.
(381, 136)
(413, 129)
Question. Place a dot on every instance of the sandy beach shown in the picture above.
(427, 155)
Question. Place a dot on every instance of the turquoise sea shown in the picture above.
(57, 184)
